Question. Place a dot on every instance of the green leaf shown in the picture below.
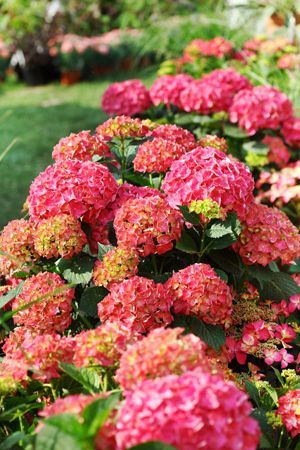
(229, 262)
(295, 268)
(103, 249)
(52, 438)
(76, 270)
(222, 275)
(234, 132)
(87, 377)
(153, 446)
(273, 285)
(186, 243)
(188, 216)
(137, 179)
(212, 335)
(90, 298)
(96, 413)
(256, 147)
(260, 416)
(221, 228)
(253, 392)
(12, 293)
(12, 440)
(67, 423)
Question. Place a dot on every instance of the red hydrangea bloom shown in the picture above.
(167, 89)
(195, 410)
(197, 290)
(81, 189)
(81, 146)
(289, 61)
(291, 131)
(52, 312)
(157, 155)
(289, 411)
(162, 352)
(148, 225)
(103, 345)
(117, 265)
(40, 354)
(138, 303)
(267, 235)
(259, 108)
(175, 134)
(214, 92)
(123, 126)
(16, 246)
(59, 235)
(218, 47)
(206, 172)
(278, 152)
(128, 97)
(214, 141)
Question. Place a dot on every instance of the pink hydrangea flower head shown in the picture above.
(291, 131)
(81, 189)
(175, 134)
(52, 309)
(148, 225)
(128, 97)
(218, 47)
(103, 345)
(214, 141)
(267, 235)
(278, 152)
(16, 246)
(166, 89)
(289, 411)
(197, 290)
(260, 108)
(117, 265)
(138, 303)
(59, 236)
(82, 146)
(206, 172)
(162, 352)
(122, 126)
(157, 155)
(192, 411)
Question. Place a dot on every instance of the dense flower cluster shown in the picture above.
(81, 146)
(206, 172)
(148, 225)
(138, 303)
(259, 108)
(175, 134)
(16, 246)
(167, 89)
(47, 301)
(267, 235)
(82, 189)
(218, 47)
(157, 155)
(128, 97)
(117, 265)
(278, 152)
(289, 411)
(162, 352)
(197, 290)
(291, 131)
(193, 411)
(123, 126)
(213, 141)
(59, 235)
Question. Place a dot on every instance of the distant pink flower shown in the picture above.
(218, 47)
(291, 131)
(122, 126)
(278, 152)
(213, 141)
(167, 89)
(128, 97)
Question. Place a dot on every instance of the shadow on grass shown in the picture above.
(38, 129)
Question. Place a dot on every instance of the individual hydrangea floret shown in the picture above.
(117, 265)
(289, 411)
(213, 141)
(52, 307)
(291, 131)
(260, 108)
(162, 352)
(16, 246)
(59, 236)
(267, 235)
(81, 189)
(157, 155)
(207, 173)
(175, 134)
(197, 290)
(278, 152)
(148, 225)
(192, 411)
(138, 303)
(166, 89)
(123, 126)
(82, 146)
(128, 97)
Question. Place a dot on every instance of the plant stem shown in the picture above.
(154, 263)
(123, 157)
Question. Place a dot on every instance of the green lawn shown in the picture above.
(38, 117)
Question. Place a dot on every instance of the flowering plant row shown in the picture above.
(149, 299)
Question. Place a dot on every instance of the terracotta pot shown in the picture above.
(70, 77)
(102, 70)
(277, 19)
